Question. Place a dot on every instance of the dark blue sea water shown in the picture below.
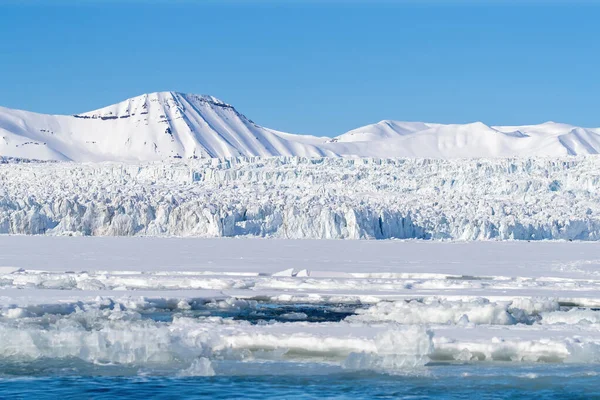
(444, 381)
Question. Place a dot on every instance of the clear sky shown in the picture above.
(319, 67)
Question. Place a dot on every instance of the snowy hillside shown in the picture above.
(169, 125)
(424, 140)
(155, 126)
(291, 197)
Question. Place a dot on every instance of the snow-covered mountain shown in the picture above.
(149, 127)
(168, 125)
(426, 140)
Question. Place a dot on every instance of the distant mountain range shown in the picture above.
(167, 125)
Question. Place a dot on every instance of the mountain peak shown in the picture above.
(156, 101)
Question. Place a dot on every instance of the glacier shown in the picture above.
(303, 197)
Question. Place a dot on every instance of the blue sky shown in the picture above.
(319, 67)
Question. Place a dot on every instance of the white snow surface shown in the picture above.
(297, 197)
(410, 303)
(167, 125)
(156, 126)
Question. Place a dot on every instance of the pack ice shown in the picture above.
(204, 307)
(298, 197)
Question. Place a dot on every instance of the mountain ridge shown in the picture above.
(164, 125)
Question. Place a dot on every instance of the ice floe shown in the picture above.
(215, 307)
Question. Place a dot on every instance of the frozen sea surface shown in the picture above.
(163, 317)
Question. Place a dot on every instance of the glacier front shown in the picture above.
(296, 197)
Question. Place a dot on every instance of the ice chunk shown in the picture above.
(285, 272)
(435, 311)
(400, 350)
(200, 367)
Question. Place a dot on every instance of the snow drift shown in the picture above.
(294, 197)
(170, 125)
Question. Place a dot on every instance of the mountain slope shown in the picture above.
(148, 127)
(401, 139)
(168, 125)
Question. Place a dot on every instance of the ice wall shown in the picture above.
(295, 197)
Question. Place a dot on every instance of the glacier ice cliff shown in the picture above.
(296, 197)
